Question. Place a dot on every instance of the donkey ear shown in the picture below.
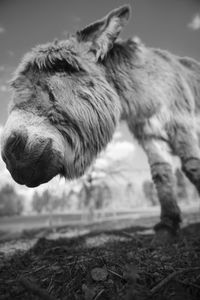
(104, 32)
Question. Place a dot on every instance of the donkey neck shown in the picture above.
(125, 68)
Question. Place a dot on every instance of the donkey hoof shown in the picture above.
(164, 237)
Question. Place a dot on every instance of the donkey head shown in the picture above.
(63, 110)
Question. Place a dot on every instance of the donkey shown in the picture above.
(69, 95)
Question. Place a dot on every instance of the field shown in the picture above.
(107, 260)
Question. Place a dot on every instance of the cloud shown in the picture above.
(195, 22)
(2, 30)
(116, 151)
(119, 150)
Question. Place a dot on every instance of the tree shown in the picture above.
(37, 204)
(101, 194)
(129, 190)
(10, 201)
(40, 202)
(47, 201)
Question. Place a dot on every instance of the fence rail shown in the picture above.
(19, 223)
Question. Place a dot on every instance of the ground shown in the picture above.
(112, 260)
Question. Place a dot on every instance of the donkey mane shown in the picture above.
(55, 57)
(51, 57)
(60, 57)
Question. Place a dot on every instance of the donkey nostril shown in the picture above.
(11, 140)
(15, 145)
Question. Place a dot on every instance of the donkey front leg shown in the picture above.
(185, 144)
(160, 160)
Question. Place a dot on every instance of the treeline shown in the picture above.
(90, 196)
(48, 202)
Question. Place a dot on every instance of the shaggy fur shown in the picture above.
(82, 105)
(79, 89)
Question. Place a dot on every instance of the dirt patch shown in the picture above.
(102, 264)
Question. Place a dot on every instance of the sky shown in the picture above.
(173, 25)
